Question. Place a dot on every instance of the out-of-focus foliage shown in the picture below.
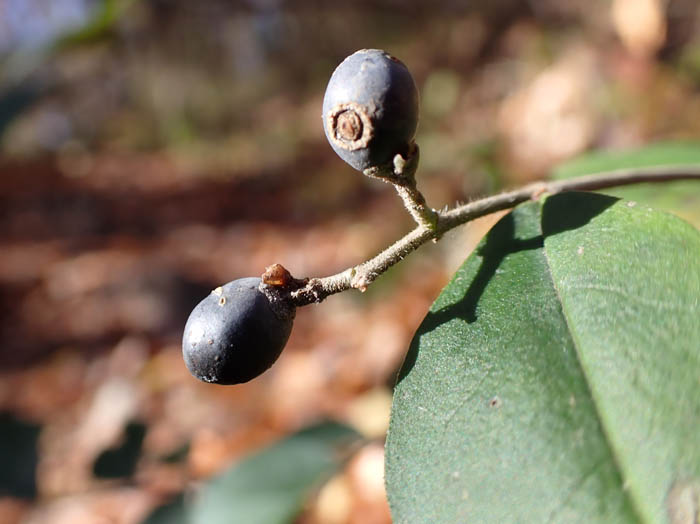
(680, 197)
(270, 486)
(152, 150)
(18, 456)
(121, 460)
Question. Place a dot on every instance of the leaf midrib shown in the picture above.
(577, 347)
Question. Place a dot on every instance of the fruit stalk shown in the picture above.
(362, 275)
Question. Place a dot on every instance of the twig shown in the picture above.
(401, 173)
(361, 276)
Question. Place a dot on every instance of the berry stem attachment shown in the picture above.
(361, 276)
(401, 173)
(415, 203)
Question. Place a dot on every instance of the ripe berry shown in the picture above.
(370, 109)
(235, 333)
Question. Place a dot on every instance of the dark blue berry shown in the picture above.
(235, 334)
(370, 109)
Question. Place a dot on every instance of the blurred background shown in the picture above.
(151, 150)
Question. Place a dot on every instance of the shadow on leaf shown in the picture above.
(559, 213)
(569, 211)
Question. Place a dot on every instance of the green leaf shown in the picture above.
(556, 377)
(682, 197)
(271, 486)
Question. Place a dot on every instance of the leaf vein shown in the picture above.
(577, 347)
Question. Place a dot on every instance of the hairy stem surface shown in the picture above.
(362, 275)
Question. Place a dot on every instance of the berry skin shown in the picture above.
(235, 333)
(370, 109)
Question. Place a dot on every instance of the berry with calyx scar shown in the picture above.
(370, 109)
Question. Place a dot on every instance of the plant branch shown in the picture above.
(414, 201)
(361, 276)
(401, 173)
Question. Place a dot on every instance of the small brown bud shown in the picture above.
(277, 275)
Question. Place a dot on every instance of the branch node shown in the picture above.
(401, 173)
(433, 224)
(539, 189)
(360, 282)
